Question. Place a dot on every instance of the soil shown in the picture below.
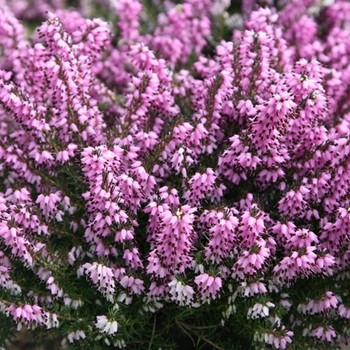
(25, 340)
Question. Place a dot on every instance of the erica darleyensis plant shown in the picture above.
(176, 167)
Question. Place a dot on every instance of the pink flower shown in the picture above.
(128, 12)
(208, 286)
(323, 304)
(294, 203)
(48, 203)
(279, 338)
(7, 283)
(134, 285)
(101, 276)
(173, 241)
(223, 235)
(324, 333)
(252, 288)
(299, 263)
(251, 262)
(32, 315)
(203, 186)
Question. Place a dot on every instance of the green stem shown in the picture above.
(153, 332)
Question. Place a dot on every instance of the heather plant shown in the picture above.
(176, 168)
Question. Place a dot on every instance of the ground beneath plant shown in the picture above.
(25, 340)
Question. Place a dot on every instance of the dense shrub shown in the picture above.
(176, 167)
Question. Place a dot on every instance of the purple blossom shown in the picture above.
(161, 161)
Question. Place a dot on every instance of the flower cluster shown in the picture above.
(176, 166)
